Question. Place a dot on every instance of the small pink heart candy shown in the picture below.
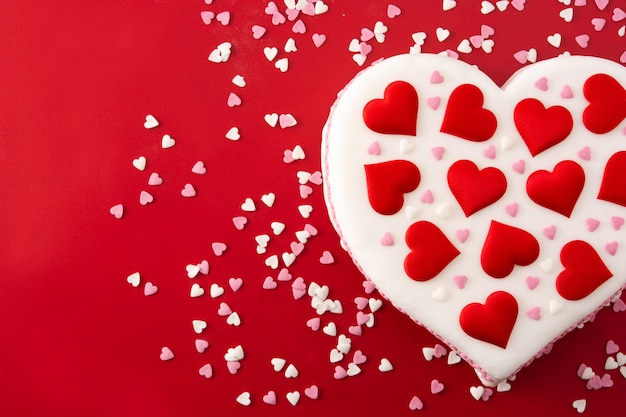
(582, 40)
(387, 239)
(340, 372)
(361, 302)
(436, 78)
(359, 357)
(518, 4)
(327, 258)
(240, 222)
(292, 14)
(460, 281)
(166, 354)
(355, 330)
(433, 102)
(233, 100)
(393, 11)
(585, 153)
(288, 156)
(318, 39)
(549, 231)
(271, 8)
(309, 9)
(224, 310)
(521, 56)
(366, 34)
(486, 31)
(476, 40)
(619, 305)
(598, 23)
(617, 222)
(611, 347)
(278, 19)
(312, 392)
(233, 367)
(305, 191)
(199, 168)
(218, 248)
(511, 209)
(490, 152)
(542, 84)
(611, 248)
(117, 211)
(440, 351)
(592, 224)
(299, 27)
(207, 17)
(149, 289)
(416, 404)
(427, 197)
(235, 284)
(369, 287)
(362, 318)
(223, 18)
(206, 371)
(462, 235)
(270, 398)
(532, 282)
(438, 152)
(314, 323)
(435, 386)
(534, 313)
(258, 31)
(204, 267)
(201, 345)
(602, 4)
(519, 166)
(188, 191)
(284, 274)
(269, 283)
(374, 149)
(145, 198)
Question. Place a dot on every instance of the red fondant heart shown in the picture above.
(431, 251)
(557, 190)
(539, 127)
(607, 103)
(493, 321)
(396, 113)
(584, 271)
(475, 189)
(613, 187)
(506, 246)
(387, 182)
(466, 117)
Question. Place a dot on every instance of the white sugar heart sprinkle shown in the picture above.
(268, 199)
(216, 290)
(385, 365)
(198, 326)
(244, 399)
(271, 119)
(282, 64)
(140, 163)
(192, 270)
(278, 364)
(277, 227)
(151, 122)
(234, 354)
(248, 205)
(290, 46)
(239, 81)
(305, 210)
(486, 7)
(272, 261)
(580, 405)
(330, 329)
(503, 386)
(453, 358)
(167, 142)
(442, 34)
(353, 369)
(293, 397)
(233, 319)
(477, 392)
(233, 134)
(448, 5)
(291, 371)
(134, 279)
(196, 291)
(555, 40)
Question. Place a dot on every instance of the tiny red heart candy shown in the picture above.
(396, 113)
(466, 117)
(387, 182)
(493, 321)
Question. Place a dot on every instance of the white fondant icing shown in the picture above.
(346, 139)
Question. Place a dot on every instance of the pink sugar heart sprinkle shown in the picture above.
(581, 370)
(314, 323)
(201, 345)
(427, 197)
(312, 392)
(582, 40)
(369, 287)
(155, 179)
(361, 302)
(299, 27)
(393, 11)
(518, 4)
(117, 211)
(462, 235)
(476, 40)
(365, 48)
(224, 310)
(296, 248)
(292, 14)
(166, 354)
(486, 31)
(270, 398)
(519, 166)
(438, 152)
(355, 330)
(305, 191)
(617, 222)
(435, 386)
(611, 248)
(433, 102)
(534, 313)
(602, 4)
(436, 78)
(566, 92)
(309, 9)
(233, 100)
(149, 289)
(366, 34)
(580, 2)
(440, 351)
(258, 31)
(278, 19)
(622, 59)
(606, 381)
(598, 23)
(611, 347)
(340, 372)
(203, 267)
(387, 239)
(549, 232)
(207, 17)
(512, 209)
(460, 281)
(240, 222)
(416, 403)
(359, 357)
(316, 178)
(188, 191)
(595, 383)
(619, 305)
(490, 152)
(199, 168)
(269, 283)
(318, 39)
(206, 371)
(233, 367)
(223, 18)
(288, 156)
(284, 275)
(532, 282)
(585, 153)
(361, 318)
(592, 224)
(145, 198)
(235, 284)
(327, 258)
(618, 15)
(542, 84)
(218, 248)
(271, 8)
(487, 394)
(521, 56)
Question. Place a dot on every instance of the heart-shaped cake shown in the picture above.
(492, 216)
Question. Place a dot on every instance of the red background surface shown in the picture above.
(76, 81)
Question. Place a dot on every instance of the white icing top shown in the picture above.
(543, 314)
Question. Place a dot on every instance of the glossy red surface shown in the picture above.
(76, 82)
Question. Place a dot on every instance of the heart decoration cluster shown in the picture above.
(488, 215)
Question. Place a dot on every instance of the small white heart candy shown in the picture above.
(271, 119)
(330, 329)
(477, 392)
(354, 46)
(442, 34)
(192, 270)
(233, 319)
(453, 358)
(375, 304)
(196, 291)
(278, 363)
(140, 163)
(134, 279)
(198, 326)
(293, 397)
(268, 199)
(248, 205)
(239, 81)
(385, 365)
(503, 386)
(150, 122)
(291, 371)
(234, 354)
(290, 45)
(233, 134)
(272, 261)
(353, 369)
(335, 356)
(305, 210)
(610, 363)
(216, 290)
(167, 142)
(277, 227)
(282, 64)
(580, 405)
(244, 399)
